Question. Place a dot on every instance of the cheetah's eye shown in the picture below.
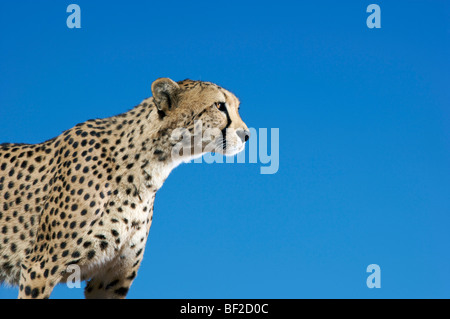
(221, 106)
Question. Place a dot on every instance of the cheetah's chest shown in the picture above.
(126, 235)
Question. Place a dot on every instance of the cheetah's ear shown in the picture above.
(165, 93)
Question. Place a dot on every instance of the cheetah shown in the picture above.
(85, 198)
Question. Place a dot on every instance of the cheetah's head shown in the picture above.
(202, 116)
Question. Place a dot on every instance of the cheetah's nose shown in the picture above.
(244, 135)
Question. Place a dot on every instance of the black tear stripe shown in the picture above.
(224, 109)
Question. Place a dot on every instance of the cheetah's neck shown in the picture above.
(142, 148)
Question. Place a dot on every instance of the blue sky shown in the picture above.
(363, 116)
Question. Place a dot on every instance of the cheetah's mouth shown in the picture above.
(228, 148)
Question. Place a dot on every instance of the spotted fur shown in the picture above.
(86, 197)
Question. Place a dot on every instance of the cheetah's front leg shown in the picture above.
(37, 280)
